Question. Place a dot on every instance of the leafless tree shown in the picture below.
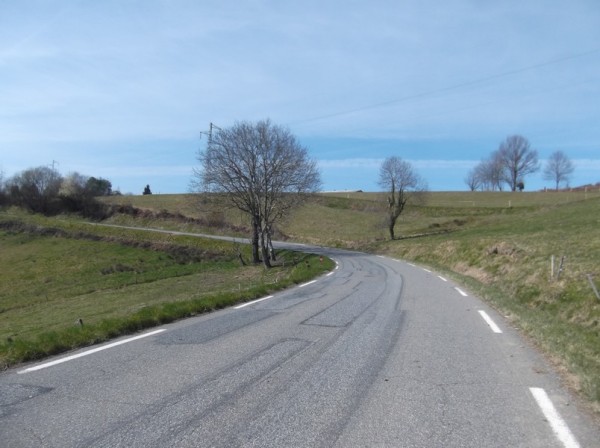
(36, 188)
(517, 160)
(472, 180)
(486, 175)
(3, 195)
(558, 168)
(262, 170)
(402, 184)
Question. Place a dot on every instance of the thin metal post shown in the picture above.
(593, 285)
(560, 267)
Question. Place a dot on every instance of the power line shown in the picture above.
(449, 88)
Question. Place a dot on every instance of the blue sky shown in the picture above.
(122, 89)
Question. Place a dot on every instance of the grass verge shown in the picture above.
(506, 258)
(500, 245)
(65, 284)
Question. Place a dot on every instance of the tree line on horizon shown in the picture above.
(262, 170)
(511, 162)
(44, 190)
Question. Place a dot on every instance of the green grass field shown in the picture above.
(58, 272)
(499, 245)
(506, 258)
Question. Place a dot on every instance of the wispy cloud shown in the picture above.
(369, 163)
(461, 76)
(350, 163)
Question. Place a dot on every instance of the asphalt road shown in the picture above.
(380, 353)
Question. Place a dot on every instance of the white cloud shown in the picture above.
(350, 163)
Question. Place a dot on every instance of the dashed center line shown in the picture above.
(490, 322)
(89, 352)
(560, 428)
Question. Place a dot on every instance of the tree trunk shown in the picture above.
(272, 251)
(265, 249)
(271, 248)
(391, 229)
(255, 240)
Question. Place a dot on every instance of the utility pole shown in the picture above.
(210, 132)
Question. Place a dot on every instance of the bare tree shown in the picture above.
(495, 172)
(286, 174)
(402, 183)
(3, 195)
(558, 168)
(517, 160)
(262, 170)
(472, 180)
(36, 189)
(486, 175)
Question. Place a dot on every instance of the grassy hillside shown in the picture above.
(498, 244)
(506, 258)
(66, 284)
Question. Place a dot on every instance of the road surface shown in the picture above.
(379, 353)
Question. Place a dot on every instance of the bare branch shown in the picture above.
(403, 184)
(264, 172)
(517, 160)
(558, 169)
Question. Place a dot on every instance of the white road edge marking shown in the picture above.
(461, 292)
(560, 428)
(251, 303)
(330, 274)
(490, 322)
(413, 265)
(307, 283)
(442, 278)
(426, 270)
(89, 352)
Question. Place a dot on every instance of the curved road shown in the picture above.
(379, 353)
